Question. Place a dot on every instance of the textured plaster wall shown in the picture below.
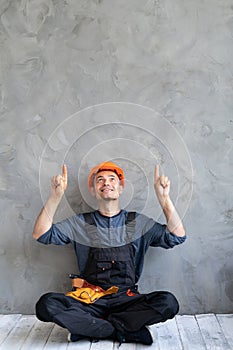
(174, 57)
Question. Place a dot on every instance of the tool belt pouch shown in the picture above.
(88, 293)
(77, 283)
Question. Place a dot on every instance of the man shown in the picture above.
(110, 245)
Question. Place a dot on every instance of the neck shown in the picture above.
(110, 208)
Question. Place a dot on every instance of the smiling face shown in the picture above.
(107, 186)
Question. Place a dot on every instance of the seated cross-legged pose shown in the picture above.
(110, 244)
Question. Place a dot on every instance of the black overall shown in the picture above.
(128, 310)
(111, 266)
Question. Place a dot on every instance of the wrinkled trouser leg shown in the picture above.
(99, 320)
(77, 317)
(132, 313)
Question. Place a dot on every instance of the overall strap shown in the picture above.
(131, 217)
(91, 229)
(88, 219)
(130, 226)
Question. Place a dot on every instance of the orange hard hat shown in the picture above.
(104, 167)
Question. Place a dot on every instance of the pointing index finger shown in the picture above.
(156, 172)
(64, 172)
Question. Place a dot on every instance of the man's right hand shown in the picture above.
(45, 219)
(59, 183)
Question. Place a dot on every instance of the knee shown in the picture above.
(42, 307)
(172, 305)
(43, 300)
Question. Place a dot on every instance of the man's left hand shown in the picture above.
(162, 186)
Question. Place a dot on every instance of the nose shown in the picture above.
(106, 182)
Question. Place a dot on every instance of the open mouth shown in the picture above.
(106, 190)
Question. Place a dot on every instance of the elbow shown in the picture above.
(40, 231)
(35, 235)
(181, 232)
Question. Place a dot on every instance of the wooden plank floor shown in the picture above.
(197, 332)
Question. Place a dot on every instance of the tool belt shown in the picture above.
(87, 292)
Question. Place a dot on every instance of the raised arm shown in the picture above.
(45, 218)
(162, 190)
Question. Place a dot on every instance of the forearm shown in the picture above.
(174, 222)
(45, 219)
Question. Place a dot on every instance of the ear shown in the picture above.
(121, 188)
(92, 191)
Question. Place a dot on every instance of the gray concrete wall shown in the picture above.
(169, 63)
